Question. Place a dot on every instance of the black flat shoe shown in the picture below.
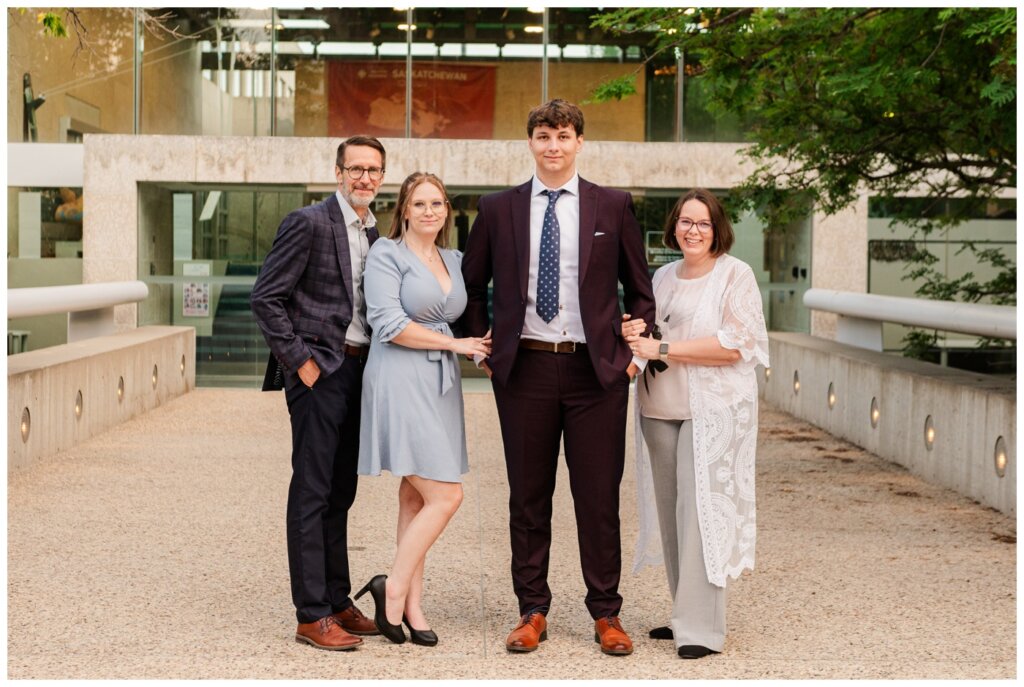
(694, 651)
(380, 617)
(663, 632)
(421, 637)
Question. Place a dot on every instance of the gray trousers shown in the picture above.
(698, 607)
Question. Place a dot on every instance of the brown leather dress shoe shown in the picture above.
(613, 639)
(326, 633)
(531, 631)
(352, 620)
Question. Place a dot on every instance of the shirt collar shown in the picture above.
(572, 186)
(350, 215)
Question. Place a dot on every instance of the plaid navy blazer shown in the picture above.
(302, 298)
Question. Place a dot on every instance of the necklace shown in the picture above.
(431, 256)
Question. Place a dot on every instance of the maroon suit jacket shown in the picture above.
(611, 251)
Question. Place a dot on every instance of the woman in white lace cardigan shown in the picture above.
(697, 433)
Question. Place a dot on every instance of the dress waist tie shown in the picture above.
(448, 360)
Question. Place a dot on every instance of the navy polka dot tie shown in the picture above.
(547, 266)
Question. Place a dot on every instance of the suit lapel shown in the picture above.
(521, 233)
(341, 243)
(588, 223)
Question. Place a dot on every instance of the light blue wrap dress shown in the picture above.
(412, 420)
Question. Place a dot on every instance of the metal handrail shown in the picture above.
(996, 321)
(50, 300)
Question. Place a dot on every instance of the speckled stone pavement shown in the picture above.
(157, 550)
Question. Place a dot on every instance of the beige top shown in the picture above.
(668, 397)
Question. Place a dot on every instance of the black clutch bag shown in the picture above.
(273, 380)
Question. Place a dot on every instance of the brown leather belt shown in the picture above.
(356, 351)
(562, 347)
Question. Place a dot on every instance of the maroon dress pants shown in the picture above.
(551, 396)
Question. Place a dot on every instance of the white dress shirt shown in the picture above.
(567, 325)
(358, 247)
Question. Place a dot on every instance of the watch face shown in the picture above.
(663, 349)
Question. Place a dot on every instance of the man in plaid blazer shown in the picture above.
(308, 301)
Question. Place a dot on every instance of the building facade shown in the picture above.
(169, 151)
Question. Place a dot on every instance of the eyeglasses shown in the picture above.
(703, 226)
(437, 207)
(356, 173)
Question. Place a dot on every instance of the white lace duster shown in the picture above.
(723, 401)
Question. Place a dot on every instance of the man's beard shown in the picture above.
(357, 201)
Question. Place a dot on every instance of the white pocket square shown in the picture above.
(598, 233)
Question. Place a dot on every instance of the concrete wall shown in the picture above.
(47, 382)
(969, 411)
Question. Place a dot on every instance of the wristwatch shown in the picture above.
(663, 351)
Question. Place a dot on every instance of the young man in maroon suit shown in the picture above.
(557, 248)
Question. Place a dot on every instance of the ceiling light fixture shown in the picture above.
(315, 24)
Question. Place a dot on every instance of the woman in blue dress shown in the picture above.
(412, 420)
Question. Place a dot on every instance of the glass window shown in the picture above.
(44, 248)
(348, 70)
(57, 90)
(581, 58)
(44, 222)
(699, 123)
(992, 226)
(476, 72)
(337, 71)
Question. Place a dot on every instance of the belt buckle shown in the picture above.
(572, 346)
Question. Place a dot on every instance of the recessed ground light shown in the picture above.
(929, 433)
(831, 396)
(875, 413)
(78, 405)
(26, 424)
(796, 382)
(1001, 457)
(155, 374)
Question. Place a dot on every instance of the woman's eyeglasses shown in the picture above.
(703, 226)
(419, 207)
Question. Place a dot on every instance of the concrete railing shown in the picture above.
(90, 307)
(950, 427)
(861, 316)
(61, 395)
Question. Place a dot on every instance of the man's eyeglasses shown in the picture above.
(356, 173)
(437, 207)
(703, 226)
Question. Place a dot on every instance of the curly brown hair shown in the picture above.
(555, 113)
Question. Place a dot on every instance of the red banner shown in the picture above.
(449, 100)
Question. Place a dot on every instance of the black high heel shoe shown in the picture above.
(421, 637)
(380, 617)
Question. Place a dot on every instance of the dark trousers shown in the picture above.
(550, 396)
(325, 453)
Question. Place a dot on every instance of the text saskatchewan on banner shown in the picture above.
(448, 100)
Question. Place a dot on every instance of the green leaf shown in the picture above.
(53, 25)
(999, 92)
(615, 89)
